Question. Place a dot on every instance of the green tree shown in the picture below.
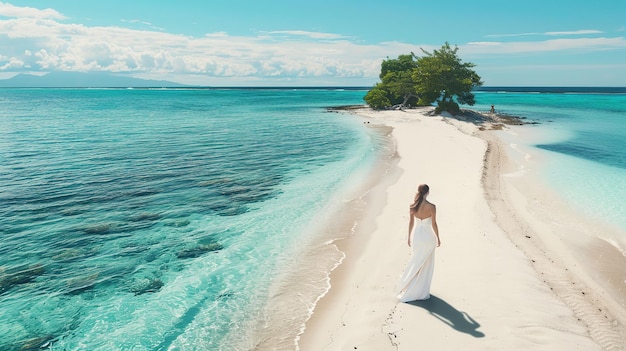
(438, 77)
(402, 64)
(443, 78)
(397, 86)
(376, 98)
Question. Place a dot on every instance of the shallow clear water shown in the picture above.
(156, 219)
(583, 137)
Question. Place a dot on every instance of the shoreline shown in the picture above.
(305, 280)
(486, 285)
(554, 238)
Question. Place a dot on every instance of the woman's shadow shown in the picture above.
(449, 315)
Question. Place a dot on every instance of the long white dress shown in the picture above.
(415, 282)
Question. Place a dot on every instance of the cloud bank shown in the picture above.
(40, 40)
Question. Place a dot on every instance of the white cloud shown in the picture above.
(580, 44)
(46, 44)
(313, 35)
(145, 23)
(571, 67)
(511, 35)
(561, 33)
(8, 10)
(12, 64)
(576, 32)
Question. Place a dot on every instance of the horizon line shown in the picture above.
(296, 87)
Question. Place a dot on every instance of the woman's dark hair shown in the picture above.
(422, 190)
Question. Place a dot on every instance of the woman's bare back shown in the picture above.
(425, 210)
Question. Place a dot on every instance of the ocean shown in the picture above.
(170, 219)
(582, 132)
(137, 219)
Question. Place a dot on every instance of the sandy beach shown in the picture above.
(501, 281)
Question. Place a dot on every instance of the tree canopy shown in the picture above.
(439, 77)
(396, 85)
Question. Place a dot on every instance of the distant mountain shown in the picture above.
(82, 80)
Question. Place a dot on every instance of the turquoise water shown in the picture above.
(583, 137)
(157, 219)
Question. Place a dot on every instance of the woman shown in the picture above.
(415, 282)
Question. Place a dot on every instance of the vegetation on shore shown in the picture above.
(483, 119)
(438, 77)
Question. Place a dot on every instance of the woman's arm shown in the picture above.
(411, 223)
(434, 222)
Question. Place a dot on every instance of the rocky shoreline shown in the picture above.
(495, 121)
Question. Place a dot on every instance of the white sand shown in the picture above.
(488, 292)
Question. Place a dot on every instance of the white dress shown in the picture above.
(414, 283)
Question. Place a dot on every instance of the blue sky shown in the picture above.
(322, 42)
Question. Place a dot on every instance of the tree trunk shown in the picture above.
(407, 97)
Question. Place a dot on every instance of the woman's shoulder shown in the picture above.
(431, 207)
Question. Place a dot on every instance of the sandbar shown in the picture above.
(499, 283)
